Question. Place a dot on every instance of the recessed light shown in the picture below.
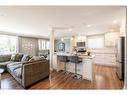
(72, 38)
(115, 21)
(112, 30)
(88, 25)
(70, 29)
(62, 39)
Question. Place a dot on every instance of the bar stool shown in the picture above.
(64, 59)
(76, 60)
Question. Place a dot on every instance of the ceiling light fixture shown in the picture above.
(115, 21)
(62, 39)
(72, 38)
(70, 29)
(111, 30)
(88, 25)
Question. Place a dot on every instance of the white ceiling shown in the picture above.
(38, 20)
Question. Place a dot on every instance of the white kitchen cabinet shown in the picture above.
(88, 69)
(106, 59)
(111, 38)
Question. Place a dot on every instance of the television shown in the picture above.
(80, 44)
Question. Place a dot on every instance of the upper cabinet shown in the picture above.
(111, 38)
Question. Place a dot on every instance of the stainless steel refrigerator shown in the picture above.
(120, 58)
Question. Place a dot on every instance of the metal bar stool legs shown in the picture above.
(75, 60)
(64, 60)
(76, 75)
(65, 69)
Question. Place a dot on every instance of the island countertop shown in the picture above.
(71, 54)
(86, 56)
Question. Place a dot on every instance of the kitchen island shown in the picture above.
(85, 68)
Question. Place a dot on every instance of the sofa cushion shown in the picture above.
(13, 63)
(17, 72)
(16, 57)
(5, 63)
(12, 57)
(4, 58)
(25, 58)
(7, 57)
(1, 58)
(14, 66)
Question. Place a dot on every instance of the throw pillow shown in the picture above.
(18, 57)
(13, 57)
(25, 58)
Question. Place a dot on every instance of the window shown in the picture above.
(8, 44)
(43, 44)
(96, 42)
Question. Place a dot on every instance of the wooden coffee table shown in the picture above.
(1, 71)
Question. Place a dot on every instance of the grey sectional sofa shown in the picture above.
(25, 72)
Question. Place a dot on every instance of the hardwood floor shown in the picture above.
(104, 78)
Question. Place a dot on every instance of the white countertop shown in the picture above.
(70, 54)
(87, 57)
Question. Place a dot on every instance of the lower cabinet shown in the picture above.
(88, 69)
(105, 59)
(85, 68)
